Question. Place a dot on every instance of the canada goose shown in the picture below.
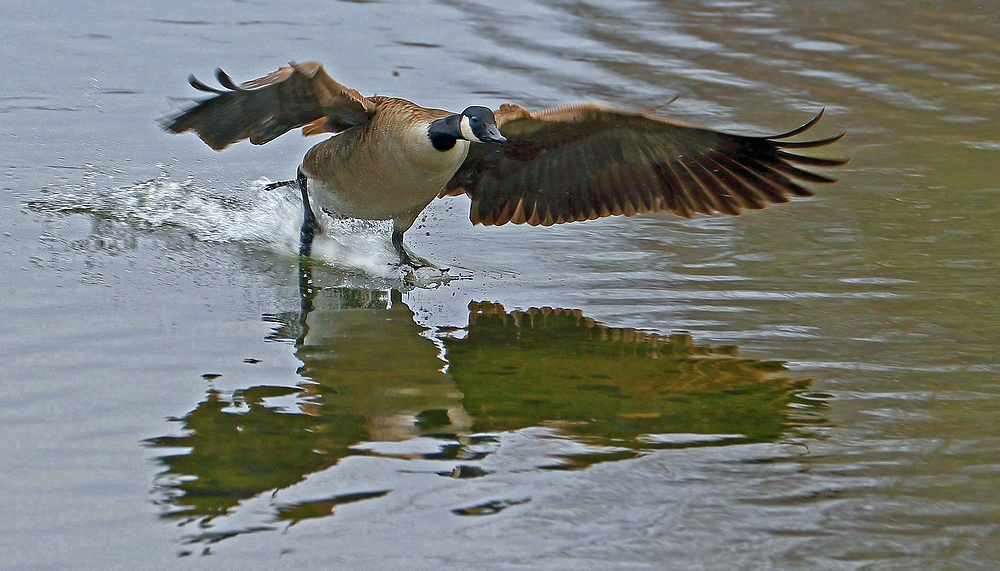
(390, 158)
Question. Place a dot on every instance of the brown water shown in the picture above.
(812, 386)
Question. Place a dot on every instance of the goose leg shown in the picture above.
(399, 226)
(404, 257)
(310, 226)
(275, 185)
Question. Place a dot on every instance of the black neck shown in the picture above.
(445, 132)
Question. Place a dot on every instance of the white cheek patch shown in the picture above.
(466, 129)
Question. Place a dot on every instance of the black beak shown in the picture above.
(492, 135)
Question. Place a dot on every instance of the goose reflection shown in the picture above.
(371, 376)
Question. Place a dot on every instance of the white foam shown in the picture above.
(246, 215)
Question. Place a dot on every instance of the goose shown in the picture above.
(389, 158)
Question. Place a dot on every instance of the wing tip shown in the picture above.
(800, 129)
(780, 142)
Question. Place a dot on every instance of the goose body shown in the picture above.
(386, 168)
(389, 157)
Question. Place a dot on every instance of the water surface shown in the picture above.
(815, 385)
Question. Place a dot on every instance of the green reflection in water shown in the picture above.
(370, 373)
(322, 508)
(557, 367)
(235, 456)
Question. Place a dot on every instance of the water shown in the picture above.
(812, 386)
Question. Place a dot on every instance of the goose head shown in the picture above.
(476, 124)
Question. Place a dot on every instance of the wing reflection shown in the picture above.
(559, 368)
(374, 382)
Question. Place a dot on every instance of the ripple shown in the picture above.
(680, 438)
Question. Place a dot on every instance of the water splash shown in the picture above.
(246, 215)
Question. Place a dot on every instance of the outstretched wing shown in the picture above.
(589, 161)
(299, 95)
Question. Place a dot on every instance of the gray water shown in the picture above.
(811, 386)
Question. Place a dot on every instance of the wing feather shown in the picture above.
(298, 95)
(588, 161)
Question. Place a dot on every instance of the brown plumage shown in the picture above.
(265, 108)
(392, 157)
(589, 161)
